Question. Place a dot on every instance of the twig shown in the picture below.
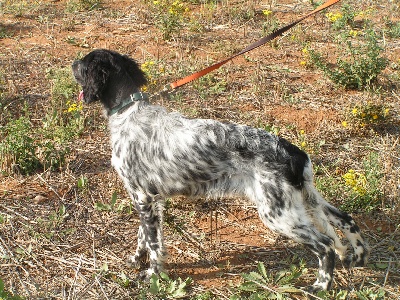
(61, 260)
(18, 214)
(387, 271)
(50, 187)
(75, 277)
(101, 287)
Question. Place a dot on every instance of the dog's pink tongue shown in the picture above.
(81, 96)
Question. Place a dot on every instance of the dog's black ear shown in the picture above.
(132, 68)
(96, 78)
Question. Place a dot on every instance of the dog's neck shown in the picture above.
(122, 95)
(128, 101)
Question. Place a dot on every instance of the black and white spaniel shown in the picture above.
(160, 154)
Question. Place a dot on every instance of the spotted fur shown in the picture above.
(160, 154)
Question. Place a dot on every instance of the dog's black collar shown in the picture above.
(128, 101)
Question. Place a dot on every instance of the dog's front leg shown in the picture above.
(150, 235)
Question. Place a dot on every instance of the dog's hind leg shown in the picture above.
(150, 235)
(285, 212)
(339, 219)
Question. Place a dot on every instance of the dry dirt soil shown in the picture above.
(55, 243)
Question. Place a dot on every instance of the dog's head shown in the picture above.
(107, 76)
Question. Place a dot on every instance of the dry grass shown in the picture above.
(56, 242)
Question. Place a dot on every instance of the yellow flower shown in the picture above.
(344, 124)
(302, 132)
(333, 17)
(303, 63)
(73, 107)
(386, 112)
(354, 111)
(375, 117)
(303, 144)
(305, 50)
(356, 181)
(266, 12)
(353, 33)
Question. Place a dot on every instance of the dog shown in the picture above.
(160, 154)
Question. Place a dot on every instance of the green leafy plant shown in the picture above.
(169, 17)
(5, 295)
(112, 206)
(83, 5)
(25, 148)
(359, 62)
(163, 287)
(107, 207)
(271, 23)
(365, 114)
(17, 149)
(365, 186)
(392, 28)
(370, 294)
(261, 285)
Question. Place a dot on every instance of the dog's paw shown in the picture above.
(358, 259)
(146, 275)
(134, 261)
(348, 261)
(315, 288)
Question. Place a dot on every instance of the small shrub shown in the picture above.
(392, 29)
(5, 295)
(261, 285)
(363, 115)
(364, 186)
(347, 18)
(169, 16)
(154, 71)
(83, 5)
(163, 287)
(25, 148)
(271, 23)
(17, 149)
(359, 63)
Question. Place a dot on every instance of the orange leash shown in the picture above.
(257, 44)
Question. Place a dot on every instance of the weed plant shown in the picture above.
(82, 5)
(18, 147)
(271, 23)
(5, 295)
(25, 148)
(359, 63)
(261, 285)
(360, 60)
(169, 16)
(359, 189)
(392, 29)
(366, 115)
(364, 187)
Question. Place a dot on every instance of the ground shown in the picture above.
(58, 242)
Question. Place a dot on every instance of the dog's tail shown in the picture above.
(295, 161)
